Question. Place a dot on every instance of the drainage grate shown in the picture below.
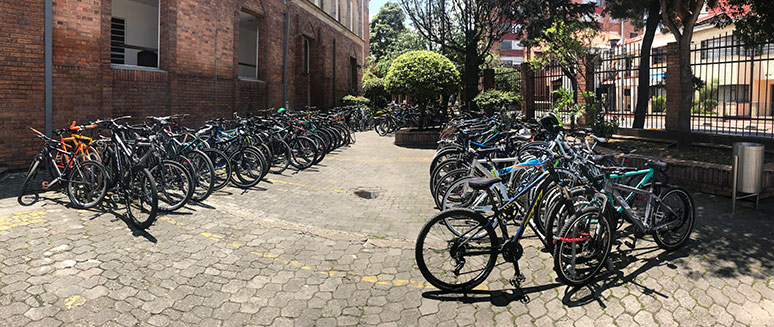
(366, 194)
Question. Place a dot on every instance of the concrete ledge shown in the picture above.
(417, 138)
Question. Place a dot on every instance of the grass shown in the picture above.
(669, 150)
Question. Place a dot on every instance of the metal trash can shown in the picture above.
(747, 170)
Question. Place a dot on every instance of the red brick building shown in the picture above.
(208, 58)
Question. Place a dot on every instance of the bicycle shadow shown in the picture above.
(500, 298)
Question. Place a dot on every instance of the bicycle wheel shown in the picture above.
(173, 183)
(442, 186)
(221, 166)
(32, 172)
(87, 184)
(303, 152)
(281, 159)
(676, 214)
(246, 167)
(205, 175)
(582, 247)
(141, 198)
(453, 262)
(322, 147)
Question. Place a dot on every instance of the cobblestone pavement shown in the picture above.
(302, 249)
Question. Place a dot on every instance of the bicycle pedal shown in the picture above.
(517, 280)
(631, 244)
(115, 198)
(610, 265)
(45, 185)
(524, 298)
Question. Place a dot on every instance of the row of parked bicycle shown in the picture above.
(159, 165)
(486, 178)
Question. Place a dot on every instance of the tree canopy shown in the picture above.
(385, 29)
(422, 75)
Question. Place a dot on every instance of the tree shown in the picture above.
(566, 44)
(636, 11)
(422, 75)
(753, 19)
(385, 28)
(374, 90)
(533, 17)
(465, 29)
(680, 17)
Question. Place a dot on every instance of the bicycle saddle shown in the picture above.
(481, 183)
(601, 158)
(626, 149)
(659, 165)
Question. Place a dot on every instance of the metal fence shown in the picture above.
(547, 82)
(616, 85)
(734, 87)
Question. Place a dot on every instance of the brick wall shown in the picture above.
(21, 80)
(87, 87)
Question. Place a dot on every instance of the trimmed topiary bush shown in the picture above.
(423, 76)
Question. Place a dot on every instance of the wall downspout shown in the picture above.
(285, 62)
(334, 72)
(48, 65)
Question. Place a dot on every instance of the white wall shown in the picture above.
(142, 25)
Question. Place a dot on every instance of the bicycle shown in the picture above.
(86, 179)
(583, 244)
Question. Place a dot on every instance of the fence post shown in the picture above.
(585, 78)
(527, 91)
(673, 93)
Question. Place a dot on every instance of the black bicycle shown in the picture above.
(86, 179)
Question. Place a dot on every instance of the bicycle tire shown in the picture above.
(221, 165)
(32, 172)
(141, 197)
(689, 217)
(569, 236)
(439, 221)
(93, 177)
(172, 176)
(303, 152)
(244, 162)
(205, 175)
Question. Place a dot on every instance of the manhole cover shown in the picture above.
(366, 194)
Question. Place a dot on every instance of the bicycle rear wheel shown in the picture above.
(454, 262)
(676, 214)
(141, 198)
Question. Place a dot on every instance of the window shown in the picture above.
(659, 56)
(134, 33)
(633, 35)
(352, 74)
(306, 56)
(506, 45)
(722, 47)
(734, 93)
(247, 52)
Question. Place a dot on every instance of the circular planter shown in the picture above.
(417, 138)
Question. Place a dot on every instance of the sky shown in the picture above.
(373, 8)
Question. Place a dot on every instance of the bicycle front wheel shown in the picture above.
(205, 175)
(582, 247)
(174, 184)
(87, 184)
(247, 166)
(27, 196)
(455, 262)
(141, 198)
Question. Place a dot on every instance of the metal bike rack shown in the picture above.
(747, 172)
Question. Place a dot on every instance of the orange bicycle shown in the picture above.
(78, 145)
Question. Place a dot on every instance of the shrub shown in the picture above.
(495, 100)
(373, 87)
(707, 101)
(422, 75)
(659, 103)
(353, 100)
(595, 117)
(508, 79)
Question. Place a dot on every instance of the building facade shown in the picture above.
(208, 58)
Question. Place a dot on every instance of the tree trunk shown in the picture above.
(470, 76)
(643, 88)
(686, 84)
